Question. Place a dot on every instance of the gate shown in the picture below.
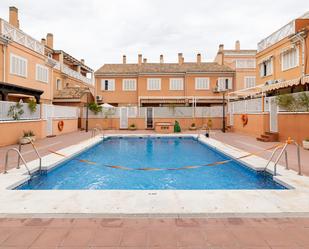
(273, 114)
(123, 118)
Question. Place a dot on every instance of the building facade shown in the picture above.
(32, 68)
(242, 61)
(163, 84)
(282, 58)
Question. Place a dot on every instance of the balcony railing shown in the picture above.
(20, 37)
(76, 75)
(280, 34)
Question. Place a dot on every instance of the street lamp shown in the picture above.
(87, 108)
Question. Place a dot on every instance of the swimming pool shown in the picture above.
(150, 152)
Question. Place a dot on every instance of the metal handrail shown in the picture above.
(36, 151)
(20, 156)
(286, 157)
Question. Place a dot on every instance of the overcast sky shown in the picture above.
(102, 31)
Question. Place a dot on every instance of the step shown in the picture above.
(261, 139)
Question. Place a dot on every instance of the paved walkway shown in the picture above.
(233, 233)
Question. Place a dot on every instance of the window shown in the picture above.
(18, 65)
(225, 84)
(201, 83)
(129, 84)
(153, 84)
(266, 67)
(249, 81)
(58, 84)
(41, 73)
(108, 85)
(176, 84)
(289, 59)
(245, 63)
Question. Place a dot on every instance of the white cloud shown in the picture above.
(101, 31)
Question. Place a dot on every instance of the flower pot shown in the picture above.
(306, 144)
(192, 128)
(25, 140)
(132, 128)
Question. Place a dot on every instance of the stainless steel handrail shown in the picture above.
(284, 150)
(36, 151)
(20, 156)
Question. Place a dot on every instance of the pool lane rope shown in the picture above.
(162, 169)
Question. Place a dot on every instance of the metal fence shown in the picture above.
(10, 111)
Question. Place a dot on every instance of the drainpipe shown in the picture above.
(4, 62)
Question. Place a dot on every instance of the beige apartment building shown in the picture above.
(163, 84)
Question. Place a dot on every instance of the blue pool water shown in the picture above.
(151, 152)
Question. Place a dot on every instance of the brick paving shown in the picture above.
(155, 233)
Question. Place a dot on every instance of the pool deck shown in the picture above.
(172, 203)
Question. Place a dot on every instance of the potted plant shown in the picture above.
(95, 108)
(132, 127)
(26, 136)
(192, 127)
(306, 144)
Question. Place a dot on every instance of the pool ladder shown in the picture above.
(20, 157)
(284, 150)
(95, 130)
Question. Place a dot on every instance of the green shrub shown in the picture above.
(16, 111)
(95, 108)
(303, 101)
(32, 105)
(287, 101)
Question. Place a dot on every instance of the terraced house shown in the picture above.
(276, 107)
(162, 84)
(33, 70)
(242, 61)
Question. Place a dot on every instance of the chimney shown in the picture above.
(50, 40)
(13, 17)
(140, 59)
(82, 61)
(180, 59)
(124, 59)
(198, 58)
(161, 59)
(237, 45)
(43, 41)
(221, 48)
(145, 60)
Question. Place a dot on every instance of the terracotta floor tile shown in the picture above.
(78, 237)
(247, 236)
(110, 222)
(107, 237)
(86, 223)
(219, 236)
(162, 237)
(136, 223)
(5, 233)
(23, 237)
(36, 222)
(51, 237)
(61, 222)
(190, 237)
(277, 237)
(134, 237)
(187, 223)
(12, 222)
(162, 223)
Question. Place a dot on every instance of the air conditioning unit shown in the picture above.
(99, 98)
(269, 82)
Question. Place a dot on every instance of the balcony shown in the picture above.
(20, 37)
(77, 75)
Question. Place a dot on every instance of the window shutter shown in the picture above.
(111, 86)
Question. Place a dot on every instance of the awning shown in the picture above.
(282, 84)
(7, 88)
